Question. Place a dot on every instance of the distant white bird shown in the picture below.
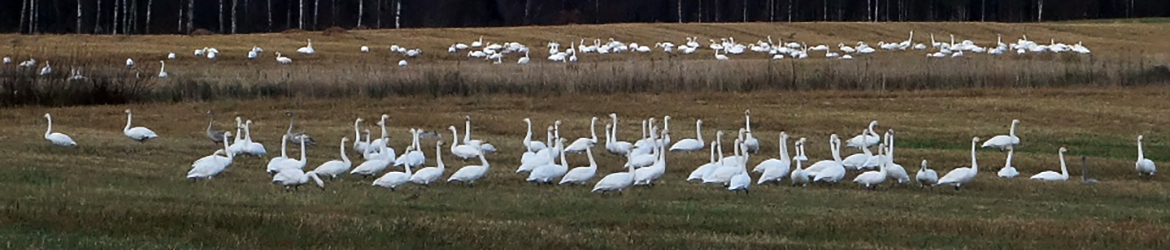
(691, 144)
(140, 134)
(774, 170)
(1052, 175)
(1004, 141)
(295, 178)
(308, 49)
(162, 71)
(211, 165)
(471, 174)
(47, 69)
(867, 138)
(8, 60)
(616, 181)
(1145, 167)
(335, 167)
(129, 63)
(58, 139)
(365, 49)
(1008, 171)
(926, 176)
(282, 59)
(428, 175)
(961, 176)
(402, 63)
(393, 180)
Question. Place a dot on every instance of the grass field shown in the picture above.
(114, 193)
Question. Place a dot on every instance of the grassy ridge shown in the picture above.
(112, 192)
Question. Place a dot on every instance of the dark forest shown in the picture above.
(251, 16)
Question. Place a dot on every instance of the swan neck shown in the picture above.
(1063, 167)
(283, 146)
(974, 162)
(454, 138)
(344, 158)
(593, 129)
(1141, 154)
(49, 130)
(129, 116)
(357, 135)
(1012, 131)
(836, 149)
(784, 149)
(303, 152)
(589, 153)
(1009, 157)
(467, 131)
(439, 157)
(699, 132)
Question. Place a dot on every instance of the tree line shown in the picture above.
(252, 16)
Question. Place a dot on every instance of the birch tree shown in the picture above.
(149, 6)
(361, 10)
(316, 12)
(397, 13)
(97, 22)
(1039, 10)
(301, 14)
(79, 17)
(179, 28)
(24, 14)
(117, 3)
(378, 23)
(221, 16)
(680, 16)
(269, 10)
(745, 11)
(190, 15)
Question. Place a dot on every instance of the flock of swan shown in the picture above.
(775, 49)
(544, 162)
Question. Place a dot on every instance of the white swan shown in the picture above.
(58, 139)
(462, 151)
(295, 178)
(358, 144)
(614, 145)
(162, 71)
(749, 141)
(616, 181)
(429, 175)
(1052, 175)
(393, 180)
(282, 59)
(308, 49)
(373, 164)
(1145, 167)
(415, 157)
(471, 174)
(774, 170)
(925, 175)
(140, 134)
(1008, 171)
(647, 175)
(384, 140)
(961, 176)
(291, 163)
(728, 166)
(832, 171)
(275, 163)
(581, 175)
(581, 144)
(210, 166)
(1002, 142)
(798, 176)
(532, 146)
(335, 167)
(647, 159)
(705, 169)
(858, 160)
(691, 145)
(540, 158)
(547, 173)
(47, 69)
(251, 147)
(865, 139)
(871, 179)
(480, 144)
(894, 170)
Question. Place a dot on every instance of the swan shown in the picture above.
(616, 181)
(464, 152)
(540, 158)
(46, 70)
(140, 134)
(129, 63)
(1008, 171)
(365, 49)
(251, 147)
(858, 160)
(720, 57)
(171, 56)
(1002, 142)
(1052, 175)
(428, 175)
(393, 180)
(705, 169)
(297, 137)
(335, 167)
(728, 166)
(834, 171)
(402, 63)
(925, 175)
(238, 143)
(209, 166)
(275, 163)
(546, 173)
(525, 59)
(894, 170)
(58, 139)
(282, 59)
(752, 144)
(532, 146)
(1145, 167)
(295, 178)
(616, 146)
(798, 176)
(477, 43)
(162, 71)
(414, 156)
(472, 173)
(293, 163)
(690, 145)
(865, 139)
(647, 175)
(374, 164)
(581, 144)
(480, 144)
(252, 54)
(742, 180)
(308, 50)
(800, 151)
(960, 176)
(871, 179)
(217, 135)
(384, 139)
(647, 159)
(358, 144)
(774, 170)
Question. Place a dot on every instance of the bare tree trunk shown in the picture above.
(134, 17)
(316, 12)
(717, 14)
(825, 10)
(679, 7)
(1039, 10)
(220, 16)
(35, 17)
(97, 22)
(868, 10)
(378, 16)
(527, 7)
(301, 15)
(700, 12)
(789, 10)
(269, 10)
(24, 14)
(877, 6)
(596, 11)
(361, 10)
(149, 6)
(117, 4)
(234, 4)
(333, 12)
(179, 29)
(190, 15)
(125, 17)
(78, 17)
(397, 14)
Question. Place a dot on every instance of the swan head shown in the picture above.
(608, 126)
(289, 114)
(747, 112)
(1063, 150)
(719, 134)
(595, 119)
(613, 115)
(1016, 122)
(666, 118)
(698, 122)
(248, 122)
(834, 137)
(385, 116)
(126, 111)
(367, 132)
(557, 123)
(344, 139)
(360, 120)
(452, 128)
(783, 134)
(467, 118)
(239, 120)
(527, 120)
(652, 120)
(438, 143)
(974, 140)
(924, 165)
(1139, 136)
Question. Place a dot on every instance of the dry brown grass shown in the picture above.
(114, 192)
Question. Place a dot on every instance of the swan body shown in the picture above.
(393, 180)
(210, 166)
(893, 170)
(140, 134)
(462, 151)
(216, 136)
(1052, 175)
(295, 178)
(690, 145)
(162, 71)
(616, 181)
(358, 144)
(1002, 142)
(866, 139)
(926, 176)
(749, 141)
(705, 169)
(613, 145)
(647, 175)
(857, 161)
(871, 179)
(375, 164)
(290, 163)
(581, 144)
(1145, 167)
(250, 147)
(532, 146)
(833, 171)
(479, 144)
(429, 175)
(546, 173)
(308, 49)
(414, 155)
(58, 139)
(581, 175)
(961, 176)
(774, 170)
(282, 59)
(471, 174)
(1008, 171)
(728, 167)
(798, 176)
(335, 167)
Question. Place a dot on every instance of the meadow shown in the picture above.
(111, 192)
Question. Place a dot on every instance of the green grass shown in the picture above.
(115, 193)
